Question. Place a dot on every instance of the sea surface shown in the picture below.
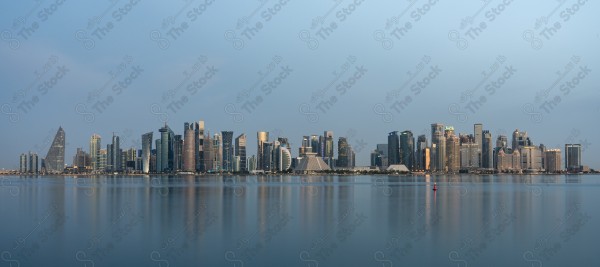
(314, 221)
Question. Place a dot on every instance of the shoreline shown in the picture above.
(288, 174)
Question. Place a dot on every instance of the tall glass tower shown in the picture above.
(393, 148)
(189, 148)
(240, 151)
(262, 138)
(55, 159)
(227, 150)
(146, 151)
(95, 146)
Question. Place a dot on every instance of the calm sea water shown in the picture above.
(300, 221)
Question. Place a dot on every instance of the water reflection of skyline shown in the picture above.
(201, 218)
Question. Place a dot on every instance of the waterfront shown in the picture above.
(472, 220)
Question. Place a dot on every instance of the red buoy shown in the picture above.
(434, 187)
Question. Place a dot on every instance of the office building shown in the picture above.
(189, 148)
(573, 157)
(262, 138)
(553, 160)
(240, 151)
(407, 150)
(487, 151)
(227, 150)
(23, 163)
(95, 146)
(393, 148)
(146, 152)
(55, 159)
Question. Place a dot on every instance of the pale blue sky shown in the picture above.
(365, 54)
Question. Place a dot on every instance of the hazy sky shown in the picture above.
(294, 68)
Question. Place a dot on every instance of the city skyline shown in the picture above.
(448, 152)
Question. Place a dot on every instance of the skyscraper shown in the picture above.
(177, 152)
(478, 133)
(314, 144)
(158, 164)
(328, 149)
(453, 153)
(217, 152)
(200, 155)
(95, 146)
(531, 158)
(520, 139)
(114, 154)
(23, 163)
(469, 152)
(146, 152)
(420, 154)
(262, 138)
(393, 148)
(345, 154)
(227, 150)
(553, 160)
(189, 149)
(208, 153)
(166, 155)
(437, 138)
(55, 159)
(487, 151)
(240, 151)
(407, 149)
(33, 163)
(573, 157)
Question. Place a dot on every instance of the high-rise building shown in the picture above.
(217, 153)
(55, 159)
(407, 150)
(437, 138)
(114, 155)
(393, 148)
(508, 161)
(227, 150)
(573, 157)
(328, 147)
(236, 164)
(102, 161)
(478, 133)
(167, 150)
(146, 152)
(200, 157)
(267, 157)
(487, 151)
(553, 160)
(158, 164)
(252, 163)
(453, 153)
(189, 148)
(469, 152)
(95, 146)
(346, 155)
(283, 158)
(240, 151)
(208, 152)
(315, 145)
(502, 141)
(520, 139)
(33, 163)
(262, 138)
(82, 160)
(23, 163)
(129, 159)
(420, 153)
(177, 153)
(531, 158)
